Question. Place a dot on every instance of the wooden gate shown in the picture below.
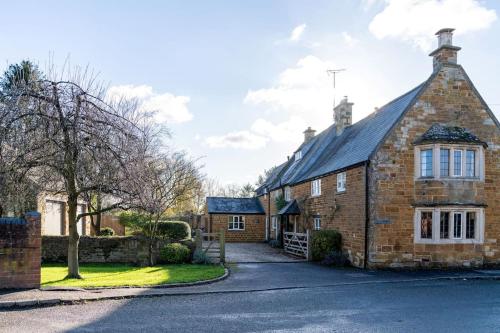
(213, 244)
(296, 243)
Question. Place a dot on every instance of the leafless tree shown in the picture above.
(159, 183)
(65, 135)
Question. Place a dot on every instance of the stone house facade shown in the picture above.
(414, 184)
(242, 219)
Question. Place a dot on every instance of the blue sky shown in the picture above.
(238, 81)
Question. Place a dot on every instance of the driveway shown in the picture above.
(255, 253)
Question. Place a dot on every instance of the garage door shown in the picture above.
(53, 218)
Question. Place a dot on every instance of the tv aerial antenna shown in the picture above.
(333, 73)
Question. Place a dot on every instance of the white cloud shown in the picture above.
(303, 90)
(348, 39)
(240, 139)
(416, 21)
(297, 32)
(287, 131)
(165, 107)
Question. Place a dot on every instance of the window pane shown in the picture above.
(242, 226)
(426, 225)
(457, 225)
(445, 162)
(426, 163)
(470, 163)
(444, 226)
(470, 225)
(457, 165)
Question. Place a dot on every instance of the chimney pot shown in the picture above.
(309, 134)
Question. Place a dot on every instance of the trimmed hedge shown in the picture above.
(175, 253)
(174, 230)
(324, 242)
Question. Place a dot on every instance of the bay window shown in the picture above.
(449, 161)
(452, 225)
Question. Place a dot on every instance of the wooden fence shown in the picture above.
(297, 243)
(213, 244)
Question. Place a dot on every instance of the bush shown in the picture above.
(106, 232)
(173, 230)
(175, 253)
(325, 242)
(335, 258)
(201, 257)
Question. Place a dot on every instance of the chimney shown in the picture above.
(446, 53)
(309, 134)
(342, 114)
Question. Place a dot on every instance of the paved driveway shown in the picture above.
(256, 252)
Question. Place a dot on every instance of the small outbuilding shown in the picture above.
(243, 219)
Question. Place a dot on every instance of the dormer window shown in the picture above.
(449, 153)
(298, 155)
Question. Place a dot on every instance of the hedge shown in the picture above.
(173, 230)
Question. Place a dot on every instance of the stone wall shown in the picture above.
(254, 228)
(344, 211)
(450, 100)
(20, 251)
(130, 249)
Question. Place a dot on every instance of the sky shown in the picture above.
(237, 82)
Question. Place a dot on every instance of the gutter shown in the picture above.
(367, 214)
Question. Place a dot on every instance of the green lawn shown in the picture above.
(113, 275)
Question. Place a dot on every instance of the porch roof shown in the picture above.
(292, 208)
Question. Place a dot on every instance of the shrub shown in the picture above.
(325, 242)
(106, 232)
(335, 258)
(173, 230)
(175, 253)
(201, 257)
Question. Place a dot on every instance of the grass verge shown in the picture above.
(115, 275)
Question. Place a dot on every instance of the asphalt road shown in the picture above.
(433, 306)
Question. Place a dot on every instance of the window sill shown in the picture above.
(467, 179)
(447, 241)
(315, 195)
(235, 229)
(341, 191)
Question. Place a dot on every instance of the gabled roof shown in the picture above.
(448, 134)
(327, 152)
(221, 205)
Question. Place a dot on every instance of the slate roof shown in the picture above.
(292, 208)
(221, 205)
(327, 152)
(448, 134)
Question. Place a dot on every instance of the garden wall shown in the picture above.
(129, 249)
(20, 251)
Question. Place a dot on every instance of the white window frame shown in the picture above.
(232, 222)
(298, 155)
(288, 193)
(274, 222)
(436, 227)
(341, 182)
(479, 167)
(316, 187)
(317, 223)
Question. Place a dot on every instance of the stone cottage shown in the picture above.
(414, 184)
(242, 219)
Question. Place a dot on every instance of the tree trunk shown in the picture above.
(98, 217)
(74, 238)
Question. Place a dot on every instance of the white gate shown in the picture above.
(296, 243)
